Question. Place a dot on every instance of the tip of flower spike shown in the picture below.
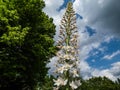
(71, 1)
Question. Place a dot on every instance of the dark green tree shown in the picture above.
(48, 83)
(26, 44)
(99, 83)
(117, 83)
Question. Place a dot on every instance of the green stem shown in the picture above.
(68, 43)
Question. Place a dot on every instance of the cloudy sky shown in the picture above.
(98, 23)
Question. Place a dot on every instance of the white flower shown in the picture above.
(78, 82)
(75, 73)
(67, 48)
(75, 35)
(73, 51)
(59, 47)
(60, 56)
(68, 57)
(67, 66)
(63, 68)
(75, 84)
(60, 81)
(73, 39)
(72, 58)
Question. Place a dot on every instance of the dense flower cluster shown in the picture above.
(60, 81)
(67, 63)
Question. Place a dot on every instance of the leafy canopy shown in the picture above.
(26, 44)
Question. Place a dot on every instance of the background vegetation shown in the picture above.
(94, 83)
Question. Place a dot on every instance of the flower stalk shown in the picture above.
(68, 61)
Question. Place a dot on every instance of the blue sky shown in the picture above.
(98, 23)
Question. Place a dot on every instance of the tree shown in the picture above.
(48, 83)
(67, 63)
(99, 83)
(26, 44)
(117, 83)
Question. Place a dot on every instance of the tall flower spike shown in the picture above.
(67, 63)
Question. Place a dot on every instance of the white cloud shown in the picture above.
(52, 6)
(103, 15)
(103, 73)
(51, 9)
(115, 70)
(52, 65)
(112, 73)
(85, 70)
(109, 57)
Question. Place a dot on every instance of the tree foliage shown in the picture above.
(100, 83)
(26, 43)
